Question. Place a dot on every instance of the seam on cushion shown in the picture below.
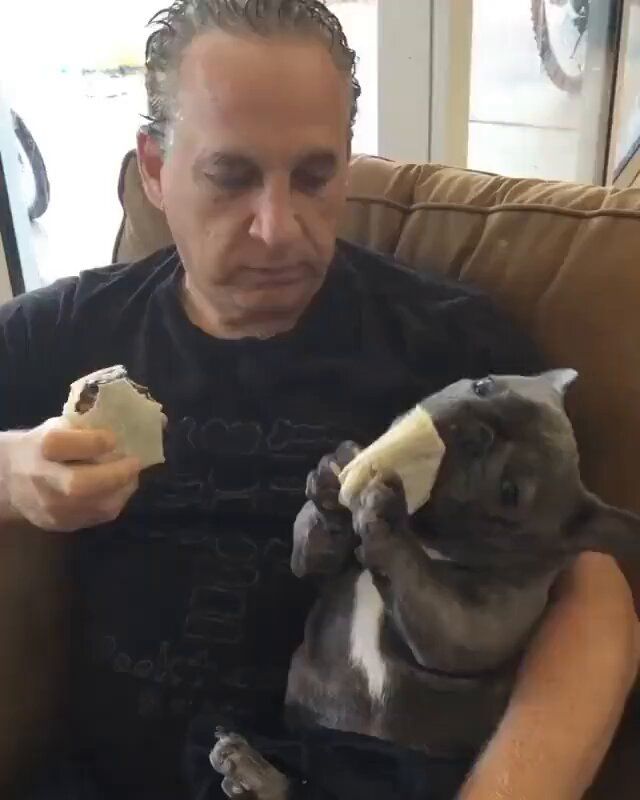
(487, 210)
(118, 241)
(435, 166)
(557, 275)
(470, 251)
(364, 156)
(121, 186)
(123, 175)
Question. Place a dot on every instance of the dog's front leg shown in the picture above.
(323, 537)
(409, 581)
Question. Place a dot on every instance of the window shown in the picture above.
(80, 95)
(359, 19)
(541, 81)
(77, 85)
(520, 87)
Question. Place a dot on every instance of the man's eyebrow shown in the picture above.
(226, 160)
(315, 159)
(318, 159)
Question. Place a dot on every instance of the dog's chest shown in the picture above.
(457, 636)
(365, 651)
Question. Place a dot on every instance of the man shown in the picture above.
(267, 344)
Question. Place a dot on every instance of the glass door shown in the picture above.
(79, 98)
(542, 87)
(74, 84)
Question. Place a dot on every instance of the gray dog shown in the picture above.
(422, 620)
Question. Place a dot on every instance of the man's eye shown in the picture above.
(484, 387)
(310, 181)
(509, 493)
(233, 182)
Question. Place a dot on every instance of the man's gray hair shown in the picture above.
(184, 20)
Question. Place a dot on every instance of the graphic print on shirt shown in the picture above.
(237, 486)
(224, 465)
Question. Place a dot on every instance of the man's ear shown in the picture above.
(604, 529)
(150, 161)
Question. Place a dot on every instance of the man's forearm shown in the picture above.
(570, 695)
(7, 513)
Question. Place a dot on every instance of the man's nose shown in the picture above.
(275, 220)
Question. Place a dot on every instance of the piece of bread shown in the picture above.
(410, 449)
(109, 399)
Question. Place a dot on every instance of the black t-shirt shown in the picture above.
(187, 600)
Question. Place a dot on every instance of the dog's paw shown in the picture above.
(227, 751)
(380, 520)
(322, 542)
(323, 485)
(383, 499)
(323, 538)
(247, 775)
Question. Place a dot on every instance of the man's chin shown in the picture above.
(285, 300)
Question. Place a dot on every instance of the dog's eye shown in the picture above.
(509, 493)
(484, 387)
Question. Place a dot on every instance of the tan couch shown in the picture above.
(563, 260)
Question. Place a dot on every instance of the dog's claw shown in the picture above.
(323, 484)
(379, 521)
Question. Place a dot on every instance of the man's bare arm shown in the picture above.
(49, 477)
(570, 694)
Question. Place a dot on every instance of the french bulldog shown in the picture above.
(422, 620)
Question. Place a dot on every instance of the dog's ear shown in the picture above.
(604, 529)
(561, 379)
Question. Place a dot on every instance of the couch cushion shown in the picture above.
(143, 229)
(563, 260)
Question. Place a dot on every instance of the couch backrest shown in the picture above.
(562, 259)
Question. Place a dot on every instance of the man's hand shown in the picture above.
(570, 695)
(63, 479)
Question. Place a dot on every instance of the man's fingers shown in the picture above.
(120, 499)
(54, 512)
(76, 445)
(91, 480)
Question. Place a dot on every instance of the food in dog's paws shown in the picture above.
(109, 399)
(410, 449)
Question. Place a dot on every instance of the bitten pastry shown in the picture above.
(109, 399)
(410, 449)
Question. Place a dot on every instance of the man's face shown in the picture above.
(254, 179)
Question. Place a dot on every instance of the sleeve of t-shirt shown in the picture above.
(32, 350)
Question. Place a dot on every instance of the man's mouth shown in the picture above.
(273, 278)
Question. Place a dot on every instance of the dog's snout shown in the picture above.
(476, 439)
